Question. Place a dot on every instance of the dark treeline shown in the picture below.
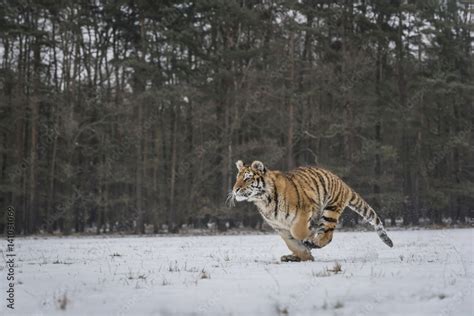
(116, 115)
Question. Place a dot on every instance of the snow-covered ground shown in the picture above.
(427, 272)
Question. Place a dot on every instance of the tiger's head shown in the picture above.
(250, 182)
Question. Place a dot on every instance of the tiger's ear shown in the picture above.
(258, 165)
(239, 164)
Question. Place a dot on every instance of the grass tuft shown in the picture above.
(165, 282)
(62, 301)
(321, 274)
(173, 267)
(204, 274)
(336, 268)
(282, 310)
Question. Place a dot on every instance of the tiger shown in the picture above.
(302, 205)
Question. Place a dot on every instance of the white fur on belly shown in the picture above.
(280, 221)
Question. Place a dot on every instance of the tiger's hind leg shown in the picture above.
(324, 231)
(300, 251)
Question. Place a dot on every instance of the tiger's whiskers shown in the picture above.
(230, 201)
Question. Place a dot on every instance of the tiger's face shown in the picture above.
(250, 182)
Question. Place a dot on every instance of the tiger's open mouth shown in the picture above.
(249, 196)
(240, 198)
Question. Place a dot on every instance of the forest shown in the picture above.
(129, 115)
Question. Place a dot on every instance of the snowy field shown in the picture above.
(427, 272)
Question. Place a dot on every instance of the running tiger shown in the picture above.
(302, 205)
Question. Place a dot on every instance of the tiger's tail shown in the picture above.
(361, 207)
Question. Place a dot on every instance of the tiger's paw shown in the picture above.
(310, 244)
(290, 258)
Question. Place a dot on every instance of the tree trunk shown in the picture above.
(156, 169)
(172, 212)
(138, 90)
(35, 100)
(52, 179)
(379, 76)
(290, 106)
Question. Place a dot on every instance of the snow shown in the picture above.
(427, 272)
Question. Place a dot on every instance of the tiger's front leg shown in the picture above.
(324, 232)
(300, 252)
